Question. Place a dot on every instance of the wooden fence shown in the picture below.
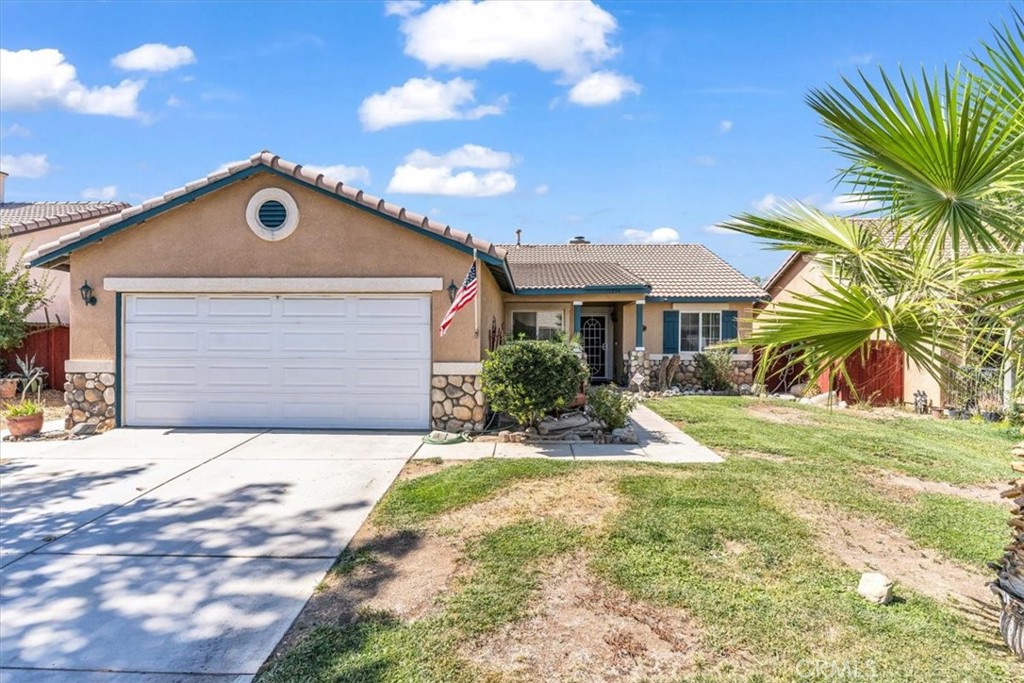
(51, 346)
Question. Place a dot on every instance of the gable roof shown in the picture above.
(21, 217)
(55, 254)
(672, 272)
(590, 275)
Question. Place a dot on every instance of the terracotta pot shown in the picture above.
(8, 388)
(936, 412)
(25, 425)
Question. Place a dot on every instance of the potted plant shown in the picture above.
(936, 412)
(8, 386)
(25, 419)
(990, 409)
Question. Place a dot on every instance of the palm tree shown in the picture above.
(939, 268)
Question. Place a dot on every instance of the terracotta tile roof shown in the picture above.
(18, 217)
(689, 271)
(571, 275)
(299, 173)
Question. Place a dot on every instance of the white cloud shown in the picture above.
(602, 87)
(402, 8)
(25, 165)
(724, 126)
(424, 173)
(847, 203)
(768, 202)
(719, 230)
(346, 174)
(105, 193)
(154, 57)
(174, 101)
(35, 79)
(704, 160)
(566, 37)
(541, 190)
(656, 236)
(859, 60)
(424, 99)
(15, 131)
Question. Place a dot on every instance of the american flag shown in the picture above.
(462, 298)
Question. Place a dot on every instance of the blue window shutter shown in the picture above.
(730, 326)
(670, 333)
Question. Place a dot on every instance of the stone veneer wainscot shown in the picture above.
(457, 403)
(89, 398)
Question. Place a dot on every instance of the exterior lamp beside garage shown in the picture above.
(87, 296)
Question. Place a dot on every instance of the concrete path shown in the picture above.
(173, 555)
(659, 441)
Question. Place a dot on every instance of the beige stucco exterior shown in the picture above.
(58, 309)
(211, 238)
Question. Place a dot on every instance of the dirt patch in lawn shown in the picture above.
(580, 629)
(869, 545)
(902, 483)
(585, 498)
(780, 414)
(415, 469)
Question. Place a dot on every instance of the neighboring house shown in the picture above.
(884, 376)
(268, 295)
(27, 225)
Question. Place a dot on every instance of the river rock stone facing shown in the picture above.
(457, 403)
(90, 398)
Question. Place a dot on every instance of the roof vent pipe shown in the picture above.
(519, 236)
(579, 239)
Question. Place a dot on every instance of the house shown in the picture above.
(268, 295)
(27, 225)
(884, 376)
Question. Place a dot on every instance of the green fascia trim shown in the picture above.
(498, 266)
(639, 289)
(701, 299)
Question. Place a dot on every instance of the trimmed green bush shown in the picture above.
(714, 367)
(610, 407)
(528, 379)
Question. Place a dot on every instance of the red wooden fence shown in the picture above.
(51, 347)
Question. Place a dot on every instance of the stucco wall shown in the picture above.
(58, 309)
(210, 238)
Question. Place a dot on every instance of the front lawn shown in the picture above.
(532, 570)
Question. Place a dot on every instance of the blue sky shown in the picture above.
(621, 121)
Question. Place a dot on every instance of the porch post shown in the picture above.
(577, 310)
(640, 325)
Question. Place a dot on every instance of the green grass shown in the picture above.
(414, 501)
(722, 542)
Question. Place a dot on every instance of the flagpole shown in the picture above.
(479, 293)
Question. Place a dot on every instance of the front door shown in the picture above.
(594, 334)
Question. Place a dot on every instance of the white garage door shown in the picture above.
(354, 361)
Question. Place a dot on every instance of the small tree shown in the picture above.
(528, 379)
(20, 295)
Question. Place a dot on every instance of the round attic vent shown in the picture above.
(272, 214)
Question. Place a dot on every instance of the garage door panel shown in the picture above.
(159, 339)
(234, 307)
(278, 361)
(161, 308)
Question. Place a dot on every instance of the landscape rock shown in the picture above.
(875, 588)
(570, 421)
(797, 390)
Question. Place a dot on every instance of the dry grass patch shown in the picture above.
(581, 629)
(779, 413)
(901, 485)
(586, 498)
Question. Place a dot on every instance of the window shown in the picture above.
(542, 325)
(697, 331)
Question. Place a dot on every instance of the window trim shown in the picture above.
(700, 329)
(536, 326)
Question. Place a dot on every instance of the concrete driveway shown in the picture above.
(173, 555)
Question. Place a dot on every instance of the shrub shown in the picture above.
(714, 368)
(24, 409)
(528, 379)
(610, 407)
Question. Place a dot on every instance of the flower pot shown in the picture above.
(1011, 620)
(25, 425)
(8, 388)
(936, 413)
